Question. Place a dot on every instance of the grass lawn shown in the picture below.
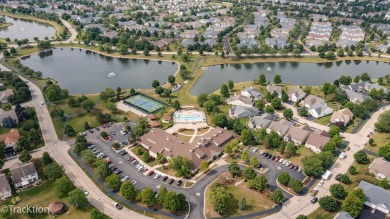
(362, 174)
(320, 213)
(59, 126)
(184, 137)
(167, 170)
(4, 130)
(152, 162)
(352, 125)
(256, 201)
(203, 131)
(77, 122)
(188, 184)
(323, 120)
(380, 139)
(187, 132)
(42, 196)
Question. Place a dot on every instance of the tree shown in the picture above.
(146, 157)
(204, 165)
(176, 105)
(53, 171)
(220, 120)
(384, 151)
(276, 103)
(225, 90)
(231, 85)
(301, 216)
(288, 114)
(344, 178)
(277, 79)
(284, 178)
(295, 185)
(77, 198)
(361, 157)
(24, 156)
(88, 105)
(107, 94)
(101, 170)
(334, 130)
(246, 138)
(155, 83)
(242, 204)
(234, 169)
(338, 191)
(354, 202)
(148, 197)
(183, 202)
(220, 199)
(262, 79)
(88, 157)
(328, 203)
(96, 214)
(46, 158)
(69, 131)
(181, 166)
(303, 112)
(254, 162)
(1, 163)
(113, 182)
(272, 140)
(159, 90)
(291, 150)
(128, 191)
(352, 170)
(249, 173)
(201, 99)
(171, 79)
(63, 186)
(384, 183)
(79, 147)
(269, 109)
(260, 105)
(277, 196)
(383, 123)
(259, 183)
(161, 195)
(171, 202)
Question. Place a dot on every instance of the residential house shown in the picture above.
(189, 34)
(280, 127)
(251, 92)
(263, 121)
(343, 215)
(318, 110)
(355, 97)
(381, 168)
(343, 116)
(243, 111)
(110, 34)
(240, 100)
(358, 92)
(296, 94)
(277, 89)
(5, 189)
(317, 140)
(4, 95)
(298, 135)
(277, 42)
(5, 114)
(24, 176)
(207, 148)
(211, 34)
(311, 100)
(377, 197)
(10, 139)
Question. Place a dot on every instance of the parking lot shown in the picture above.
(274, 168)
(123, 161)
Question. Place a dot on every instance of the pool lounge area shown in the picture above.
(189, 116)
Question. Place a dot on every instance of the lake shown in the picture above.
(22, 29)
(310, 74)
(85, 72)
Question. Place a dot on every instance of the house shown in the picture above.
(243, 111)
(343, 116)
(355, 97)
(10, 139)
(278, 42)
(311, 100)
(317, 140)
(280, 127)
(381, 168)
(318, 110)
(240, 100)
(5, 114)
(343, 215)
(298, 135)
(24, 176)
(189, 34)
(207, 148)
(377, 197)
(277, 89)
(251, 92)
(296, 94)
(5, 189)
(258, 122)
(4, 95)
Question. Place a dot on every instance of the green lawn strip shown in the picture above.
(323, 120)
(152, 162)
(77, 122)
(320, 213)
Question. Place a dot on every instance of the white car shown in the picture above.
(85, 191)
(320, 183)
(261, 152)
(281, 160)
(157, 176)
(255, 150)
(124, 178)
(42, 102)
(284, 162)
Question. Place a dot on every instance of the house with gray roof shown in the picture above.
(4, 95)
(5, 114)
(295, 94)
(343, 215)
(317, 140)
(280, 127)
(243, 112)
(277, 89)
(279, 42)
(377, 197)
(5, 189)
(298, 135)
(240, 100)
(319, 110)
(253, 93)
(263, 121)
(211, 34)
(24, 176)
(355, 97)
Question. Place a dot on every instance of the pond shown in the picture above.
(310, 74)
(22, 29)
(85, 72)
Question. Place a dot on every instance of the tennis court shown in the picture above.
(144, 103)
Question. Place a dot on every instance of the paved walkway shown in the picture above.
(177, 127)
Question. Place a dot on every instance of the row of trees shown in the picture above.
(21, 91)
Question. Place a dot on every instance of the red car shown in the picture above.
(291, 166)
(277, 159)
(108, 161)
(150, 173)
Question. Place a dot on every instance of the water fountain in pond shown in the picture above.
(111, 75)
(269, 69)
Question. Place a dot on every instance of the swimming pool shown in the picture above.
(189, 117)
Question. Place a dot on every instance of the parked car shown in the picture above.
(276, 159)
(314, 191)
(299, 169)
(265, 154)
(150, 173)
(117, 172)
(113, 133)
(314, 200)
(255, 150)
(91, 131)
(291, 166)
(269, 156)
(321, 182)
(288, 163)
(133, 182)
(85, 191)
(118, 206)
(338, 177)
(114, 168)
(123, 152)
(164, 178)
(108, 161)
(124, 178)
(259, 166)
(124, 132)
(296, 167)
(97, 129)
(281, 160)
(179, 183)
(261, 152)
(273, 157)
(157, 176)
(284, 162)
(171, 181)
(111, 165)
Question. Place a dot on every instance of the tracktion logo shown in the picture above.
(30, 209)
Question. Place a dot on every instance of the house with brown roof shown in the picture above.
(280, 127)
(295, 94)
(277, 89)
(10, 139)
(311, 100)
(240, 100)
(207, 148)
(317, 140)
(343, 116)
(5, 189)
(24, 176)
(298, 135)
(381, 168)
